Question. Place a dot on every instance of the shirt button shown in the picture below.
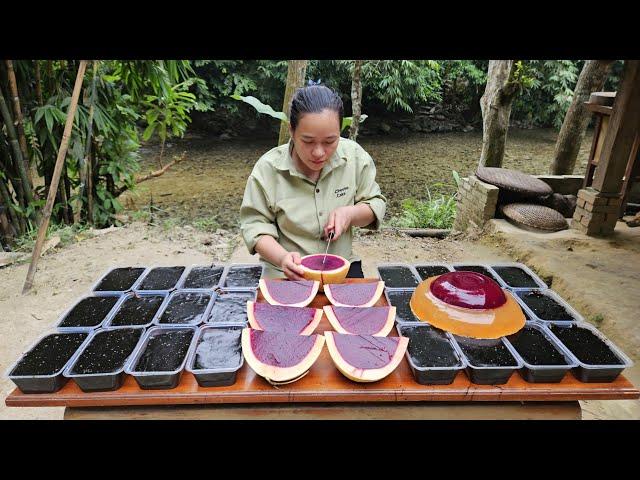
(317, 190)
(320, 213)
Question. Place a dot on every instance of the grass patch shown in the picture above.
(206, 224)
(67, 233)
(437, 211)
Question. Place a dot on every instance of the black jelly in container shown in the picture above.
(517, 276)
(206, 277)
(89, 313)
(159, 359)
(400, 298)
(119, 280)
(545, 360)
(242, 276)
(428, 270)
(161, 279)
(136, 309)
(217, 355)
(185, 307)
(598, 358)
(99, 366)
(398, 275)
(489, 362)
(40, 369)
(230, 306)
(432, 358)
(546, 306)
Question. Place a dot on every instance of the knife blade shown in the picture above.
(330, 236)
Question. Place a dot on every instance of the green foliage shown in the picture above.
(438, 211)
(67, 234)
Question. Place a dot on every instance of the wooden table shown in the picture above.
(325, 393)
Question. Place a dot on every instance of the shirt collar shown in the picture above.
(285, 161)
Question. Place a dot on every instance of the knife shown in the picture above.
(327, 250)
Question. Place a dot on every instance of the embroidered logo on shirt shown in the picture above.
(341, 192)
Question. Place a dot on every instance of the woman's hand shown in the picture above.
(339, 221)
(290, 264)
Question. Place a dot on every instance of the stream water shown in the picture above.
(210, 182)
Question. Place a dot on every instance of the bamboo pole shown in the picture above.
(17, 153)
(86, 170)
(17, 113)
(62, 152)
(38, 83)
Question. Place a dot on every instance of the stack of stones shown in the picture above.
(595, 214)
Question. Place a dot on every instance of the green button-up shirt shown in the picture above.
(284, 203)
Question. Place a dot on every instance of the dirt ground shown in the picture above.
(593, 286)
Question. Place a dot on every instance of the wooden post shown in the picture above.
(623, 127)
(62, 153)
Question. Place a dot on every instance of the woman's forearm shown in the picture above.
(362, 215)
(270, 250)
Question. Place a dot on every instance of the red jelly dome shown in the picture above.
(468, 290)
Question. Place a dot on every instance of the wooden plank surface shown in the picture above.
(324, 383)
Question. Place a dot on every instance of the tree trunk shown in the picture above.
(17, 113)
(592, 77)
(296, 72)
(85, 164)
(496, 110)
(356, 99)
(5, 198)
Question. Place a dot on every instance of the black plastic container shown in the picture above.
(35, 378)
(208, 370)
(428, 270)
(135, 309)
(544, 359)
(581, 339)
(432, 358)
(230, 306)
(202, 277)
(121, 340)
(482, 269)
(160, 279)
(185, 307)
(400, 299)
(88, 313)
(398, 275)
(483, 373)
(161, 377)
(119, 279)
(242, 276)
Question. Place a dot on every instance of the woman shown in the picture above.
(318, 183)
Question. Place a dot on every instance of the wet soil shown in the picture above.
(108, 351)
(475, 268)
(243, 277)
(230, 307)
(137, 310)
(585, 345)
(165, 351)
(50, 354)
(401, 300)
(161, 278)
(203, 277)
(516, 277)
(481, 354)
(545, 307)
(89, 312)
(186, 308)
(219, 348)
(430, 347)
(120, 279)
(427, 271)
(398, 277)
(535, 348)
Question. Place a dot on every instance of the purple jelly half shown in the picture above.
(468, 290)
(290, 291)
(364, 351)
(361, 321)
(277, 318)
(280, 349)
(315, 262)
(354, 293)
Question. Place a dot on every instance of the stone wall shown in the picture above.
(477, 202)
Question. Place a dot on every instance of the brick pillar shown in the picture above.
(476, 204)
(596, 214)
